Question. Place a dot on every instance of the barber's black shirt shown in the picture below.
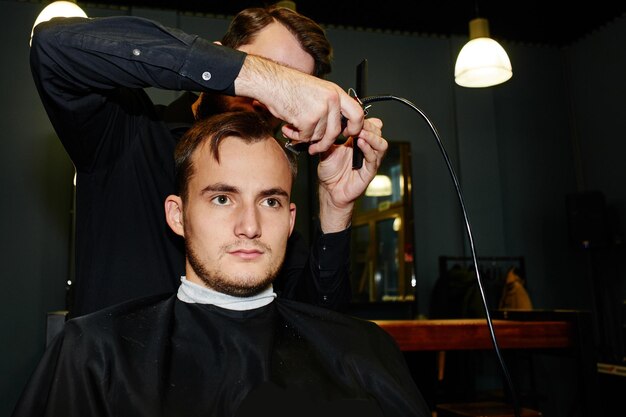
(91, 75)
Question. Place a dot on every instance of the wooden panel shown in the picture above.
(483, 409)
(462, 334)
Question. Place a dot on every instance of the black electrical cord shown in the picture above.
(373, 99)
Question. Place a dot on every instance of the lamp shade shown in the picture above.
(482, 62)
(57, 9)
(379, 187)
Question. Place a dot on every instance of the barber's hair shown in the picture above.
(247, 126)
(311, 36)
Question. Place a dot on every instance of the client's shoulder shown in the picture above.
(329, 321)
(129, 316)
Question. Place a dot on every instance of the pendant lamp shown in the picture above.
(57, 9)
(482, 62)
(379, 187)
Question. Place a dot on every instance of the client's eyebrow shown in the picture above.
(274, 191)
(220, 186)
(226, 188)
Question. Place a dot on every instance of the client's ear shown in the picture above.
(174, 214)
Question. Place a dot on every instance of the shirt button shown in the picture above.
(136, 52)
(206, 76)
(324, 247)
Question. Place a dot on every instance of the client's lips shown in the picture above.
(247, 254)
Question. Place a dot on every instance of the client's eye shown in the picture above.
(221, 200)
(271, 202)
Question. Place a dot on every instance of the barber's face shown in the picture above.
(276, 43)
(238, 217)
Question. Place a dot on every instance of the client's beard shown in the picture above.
(235, 286)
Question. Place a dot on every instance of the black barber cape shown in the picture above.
(158, 356)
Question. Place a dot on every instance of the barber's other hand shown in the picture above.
(311, 107)
(339, 184)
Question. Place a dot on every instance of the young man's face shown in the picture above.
(273, 42)
(237, 217)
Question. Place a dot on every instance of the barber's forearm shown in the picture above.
(333, 218)
(310, 106)
(257, 78)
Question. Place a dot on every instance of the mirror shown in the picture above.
(382, 261)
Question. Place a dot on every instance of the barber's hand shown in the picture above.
(311, 107)
(339, 184)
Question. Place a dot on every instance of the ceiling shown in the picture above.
(524, 21)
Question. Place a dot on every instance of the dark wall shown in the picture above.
(595, 70)
(36, 178)
(511, 147)
(519, 149)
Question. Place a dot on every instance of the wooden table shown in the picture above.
(561, 332)
(464, 334)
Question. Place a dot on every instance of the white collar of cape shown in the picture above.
(190, 292)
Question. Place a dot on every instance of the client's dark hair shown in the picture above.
(248, 126)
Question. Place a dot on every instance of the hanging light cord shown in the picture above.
(373, 99)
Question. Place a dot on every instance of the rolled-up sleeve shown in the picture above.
(133, 52)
